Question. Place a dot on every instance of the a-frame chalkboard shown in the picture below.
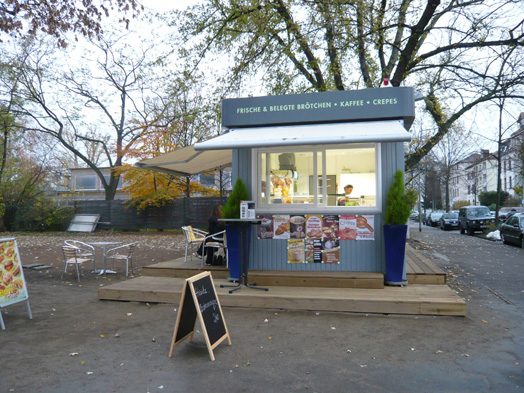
(199, 299)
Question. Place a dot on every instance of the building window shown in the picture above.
(509, 164)
(108, 178)
(85, 183)
(207, 180)
(510, 185)
(310, 178)
(505, 185)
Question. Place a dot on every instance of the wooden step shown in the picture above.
(371, 280)
(411, 299)
(178, 269)
(420, 270)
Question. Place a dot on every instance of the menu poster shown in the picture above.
(281, 227)
(331, 256)
(348, 227)
(314, 250)
(295, 251)
(12, 283)
(265, 228)
(297, 227)
(365, 227)
(314, 226)
(330, 226)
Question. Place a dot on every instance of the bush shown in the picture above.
(399, 202)
(232, 206)
(42, 215)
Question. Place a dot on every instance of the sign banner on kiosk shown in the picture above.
(13, 287)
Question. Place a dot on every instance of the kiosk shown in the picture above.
(298, 154)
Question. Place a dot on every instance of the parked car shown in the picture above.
(474, 218)
(449, 221)
(434, 219)
(512, 231)
(507, 212)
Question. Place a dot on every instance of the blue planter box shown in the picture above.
(395, 252)
(235, 244)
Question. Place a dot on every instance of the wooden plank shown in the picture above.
(318, 279)
(412, 299)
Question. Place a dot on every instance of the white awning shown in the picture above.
(312, 134)
(187, 161)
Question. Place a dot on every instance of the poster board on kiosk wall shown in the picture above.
(13, 288)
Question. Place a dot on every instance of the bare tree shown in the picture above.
(447, 49)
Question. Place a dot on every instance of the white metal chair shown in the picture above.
(217, 241)
(84, 250)
(72, 256)
(194, 237)
(122, 253)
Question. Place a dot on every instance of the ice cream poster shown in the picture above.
(295, 251)
(12, 282)
(265, 228)
(281, 227)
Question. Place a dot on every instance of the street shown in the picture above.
(476, 262)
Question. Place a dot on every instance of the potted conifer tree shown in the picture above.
(232, 210)
(399, 204)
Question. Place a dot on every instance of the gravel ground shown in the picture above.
(77, 343)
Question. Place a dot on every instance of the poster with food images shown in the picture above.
(281, 227)
(365, 227)
(314, 226)
(295, 251)
(330, 226)
(313, 250)
(331, 255)
(12, 283)
(297, 227)
(265, 228)
(347, 227)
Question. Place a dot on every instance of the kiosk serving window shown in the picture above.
(307, 178)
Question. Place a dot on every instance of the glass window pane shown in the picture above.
(318, 177)
(356, 174)
(85, 183)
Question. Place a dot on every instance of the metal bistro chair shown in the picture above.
(211, 241)
(122, 253)
(72, 256)
(84, 250)
(193, 237)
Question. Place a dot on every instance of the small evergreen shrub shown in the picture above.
(399, 202)
(232, 206)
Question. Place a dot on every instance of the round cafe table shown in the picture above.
(104, 246)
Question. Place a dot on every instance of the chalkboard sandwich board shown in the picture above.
(199, 299)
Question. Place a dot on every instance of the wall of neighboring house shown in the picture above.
(85, 185)
(478, 172)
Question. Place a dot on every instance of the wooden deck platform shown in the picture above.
(420, 270)
(319, 291)
(412, 299)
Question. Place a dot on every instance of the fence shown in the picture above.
(119, 215)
